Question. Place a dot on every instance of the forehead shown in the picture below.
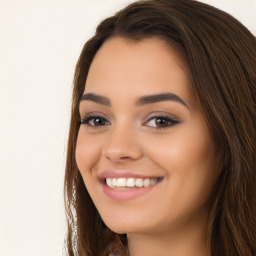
(144, 67)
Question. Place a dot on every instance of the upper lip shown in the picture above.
(124, 174)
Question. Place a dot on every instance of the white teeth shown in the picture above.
(146, 183)
(109, 182)
(139, 183)
(114, 183)
(131, 182)
(121, 182)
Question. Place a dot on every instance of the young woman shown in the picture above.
(161, 151)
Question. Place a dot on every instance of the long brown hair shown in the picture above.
(221, 55)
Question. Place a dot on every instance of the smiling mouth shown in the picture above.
(131, 183)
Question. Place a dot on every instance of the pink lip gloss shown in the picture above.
(123, 191)
(127, 193)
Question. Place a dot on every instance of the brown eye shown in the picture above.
(159, 122)
(98, 122)
(95, 121)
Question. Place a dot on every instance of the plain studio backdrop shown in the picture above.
(40, 42)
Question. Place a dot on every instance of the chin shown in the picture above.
(129, 224)
(120, 226)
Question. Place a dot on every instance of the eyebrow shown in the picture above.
(149, 99)
(160, 97)
(96, 98)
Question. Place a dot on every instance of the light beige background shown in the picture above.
(40, 42)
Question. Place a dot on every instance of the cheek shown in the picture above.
(88, 150)
(181, 151)
(188, 158)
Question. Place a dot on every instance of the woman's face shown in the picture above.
(143, 149)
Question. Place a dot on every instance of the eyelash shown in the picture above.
(93, 117)
(168, 121)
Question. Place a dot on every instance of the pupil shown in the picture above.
(161, 122)
(98, 121)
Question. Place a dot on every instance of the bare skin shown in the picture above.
(190, 240)
(126, 134)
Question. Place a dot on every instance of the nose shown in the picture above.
(122, 144)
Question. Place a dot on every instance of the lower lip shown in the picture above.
(127, 194)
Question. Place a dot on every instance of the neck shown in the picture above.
(190, 239)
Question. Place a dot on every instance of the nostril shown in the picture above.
(115, 156)
(124, 157)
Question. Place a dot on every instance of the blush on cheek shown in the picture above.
(87, 153)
